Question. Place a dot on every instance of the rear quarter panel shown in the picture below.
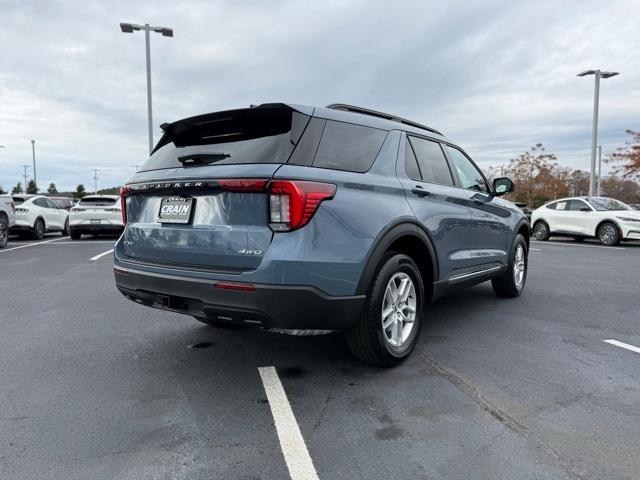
(331, 252)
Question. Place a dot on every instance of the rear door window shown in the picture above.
(345, 146)
(576, 205)
(431, 161)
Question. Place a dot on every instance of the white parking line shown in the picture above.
(622, 345)
(535, 249)
(31, 244)
(292, 444)
(567, 244)
(100, 255)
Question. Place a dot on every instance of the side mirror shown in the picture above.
(502, 186)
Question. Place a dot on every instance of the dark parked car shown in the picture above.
(635, 206)
(303, 219)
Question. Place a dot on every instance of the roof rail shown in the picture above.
(386, 116)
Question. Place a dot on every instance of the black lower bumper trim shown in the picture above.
(273, 306)
(106, 229)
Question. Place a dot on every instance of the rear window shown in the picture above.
(97, 202)
(348, 147)
(252, 135)
(18, 200)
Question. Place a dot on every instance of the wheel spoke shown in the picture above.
(398, 331)
(388, 296)
(393, 290)
(386, 312)
(405, 289)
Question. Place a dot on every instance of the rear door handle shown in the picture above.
(419, 191)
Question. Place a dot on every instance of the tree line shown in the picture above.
(537, 176)
(78, 193)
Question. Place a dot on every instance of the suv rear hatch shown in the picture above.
(200, 200)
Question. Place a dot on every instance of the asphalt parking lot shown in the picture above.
(94, 386)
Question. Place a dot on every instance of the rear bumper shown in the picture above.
(97, 228)
(273, 306)
(20, 228)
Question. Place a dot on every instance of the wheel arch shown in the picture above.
(40, 217)
(4, 216)
(524, 229)
(405, 237)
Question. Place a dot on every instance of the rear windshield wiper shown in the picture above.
(202, 158)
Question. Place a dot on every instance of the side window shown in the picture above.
(562, 206)
(552, 206)
(431, 161)
(411, 164)
(50, 204)
(470, 176)
(576, 205)
(40, 202)
(348, 147)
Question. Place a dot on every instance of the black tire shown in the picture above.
(541, 231)
(506, 284)
(75, 235)
(38, 229)
(4, 232)
(609, 234)
(65, 230)
(218, 324)
(368, 340)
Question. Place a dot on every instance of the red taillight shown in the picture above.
(123, 203)
(292, 203)
(243, 184)
(245, 287)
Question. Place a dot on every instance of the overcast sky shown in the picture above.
(496, 77)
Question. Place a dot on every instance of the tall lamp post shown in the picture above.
(33, 151)
(594, 131)
(166, 32)
(599, 189)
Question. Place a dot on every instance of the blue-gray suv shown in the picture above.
(309, 220)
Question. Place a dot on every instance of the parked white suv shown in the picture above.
(607, 219)
(7, 218)
(36, 215)
(96, 214)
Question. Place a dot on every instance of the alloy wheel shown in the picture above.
(519, 267)
(607, 234)
(4, 233)
(540, 230)
(398, 309)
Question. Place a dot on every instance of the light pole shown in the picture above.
(166, 32)
(594, 132)
(25, 177)
(33, 151)
(95, 180)
(599, 168)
